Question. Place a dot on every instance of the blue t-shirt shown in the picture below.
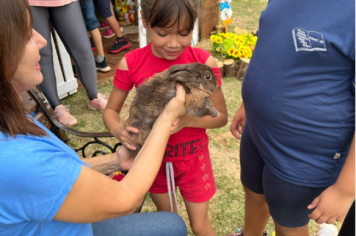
(36, 175)
(299, 90)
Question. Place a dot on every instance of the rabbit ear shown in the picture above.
(179, 73)
(181, 76)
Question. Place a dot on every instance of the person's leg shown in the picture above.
(152, 223)
(107, 12)
(199, 218)
(256, 213)
(100, 60)
(41, 18)
(256, 208)
(69, 23)
(41, 23)
(96, 36)
(92, 24)
(288, 204)
(291, 231)
(115, 26)
(162, 202)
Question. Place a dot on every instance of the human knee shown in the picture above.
(257, 199)
(200, 228)
(291, 231)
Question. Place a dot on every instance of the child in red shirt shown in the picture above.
(169, 25)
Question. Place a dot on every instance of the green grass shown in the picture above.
(227, 206)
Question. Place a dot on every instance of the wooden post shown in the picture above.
(229, 68)
(220, 29)
(241, 68)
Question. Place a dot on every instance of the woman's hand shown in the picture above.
(238, 123)
(124, 159)
(330, 206)
(180, 123)
(175, 107)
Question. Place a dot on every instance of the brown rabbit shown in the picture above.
(199, 82)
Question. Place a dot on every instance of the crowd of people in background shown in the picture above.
(72, 20)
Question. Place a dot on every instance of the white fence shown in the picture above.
(66, 82)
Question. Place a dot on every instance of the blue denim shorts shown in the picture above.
(287, 202)
(89, 16)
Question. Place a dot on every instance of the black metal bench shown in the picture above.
(35, 104)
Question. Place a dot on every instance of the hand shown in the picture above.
(238, 123)
(180, 123)
(175, 107)
(330, 206)
(122, 133)
(124, 159)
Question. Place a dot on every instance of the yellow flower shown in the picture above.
(240, 39)
(231, 51)
(236, 53)
(233, 45)
(238, 44)
(223, 35)
(246, 52)
(218, 39)
(212, 38)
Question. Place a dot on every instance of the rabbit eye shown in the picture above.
(207, 77)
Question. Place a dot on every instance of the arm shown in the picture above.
(334, 202)
(111, 115)
(95, 197)
(238, 123)
(218, 100)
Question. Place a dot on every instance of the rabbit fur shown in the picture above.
(199, 82)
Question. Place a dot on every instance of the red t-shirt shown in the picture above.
(143, 64)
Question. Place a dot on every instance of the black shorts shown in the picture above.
(287, 202)
(103, 7)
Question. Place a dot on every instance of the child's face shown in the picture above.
(169, 43)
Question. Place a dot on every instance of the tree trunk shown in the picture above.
(241, 67)
(229, 70)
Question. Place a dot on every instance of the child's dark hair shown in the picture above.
(166, 13)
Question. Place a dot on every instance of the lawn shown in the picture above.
(227, 206)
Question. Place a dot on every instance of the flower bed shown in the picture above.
(234, 51)
(233, 46)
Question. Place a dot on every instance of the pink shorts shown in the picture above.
(194, 177)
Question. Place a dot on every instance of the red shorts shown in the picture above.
(194, 177)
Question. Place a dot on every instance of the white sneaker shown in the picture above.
(327, 230)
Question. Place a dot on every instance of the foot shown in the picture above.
(103, 25)
(64, 117)
(109, 33)
(119, 45)
(102, 66)
(98, 103)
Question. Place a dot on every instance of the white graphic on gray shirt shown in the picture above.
(308, 40)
